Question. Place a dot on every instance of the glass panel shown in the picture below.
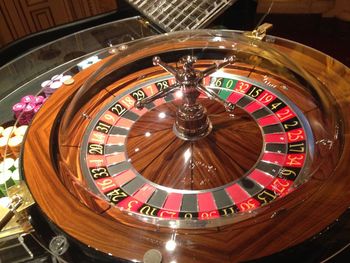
(28, 82)
(180, 138)
(119, 149)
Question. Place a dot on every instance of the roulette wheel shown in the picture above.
(194, 146)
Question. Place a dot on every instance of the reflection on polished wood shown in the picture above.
(218, 159)
(284, 223)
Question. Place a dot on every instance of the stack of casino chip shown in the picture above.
(25, 110)
(9, 175)
(4, 139)
(50, 86)
(88, 62)
(10, 141)
(10, 144)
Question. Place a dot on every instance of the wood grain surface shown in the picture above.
(215, 160)
(21, 18)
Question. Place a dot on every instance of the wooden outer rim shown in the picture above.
(242, 241)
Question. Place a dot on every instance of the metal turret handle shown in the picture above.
(191, 122)
(188, 80)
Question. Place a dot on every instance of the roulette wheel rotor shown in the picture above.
(125, 173)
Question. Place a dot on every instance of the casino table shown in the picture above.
(192, 146)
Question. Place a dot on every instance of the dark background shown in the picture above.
(328, 35)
